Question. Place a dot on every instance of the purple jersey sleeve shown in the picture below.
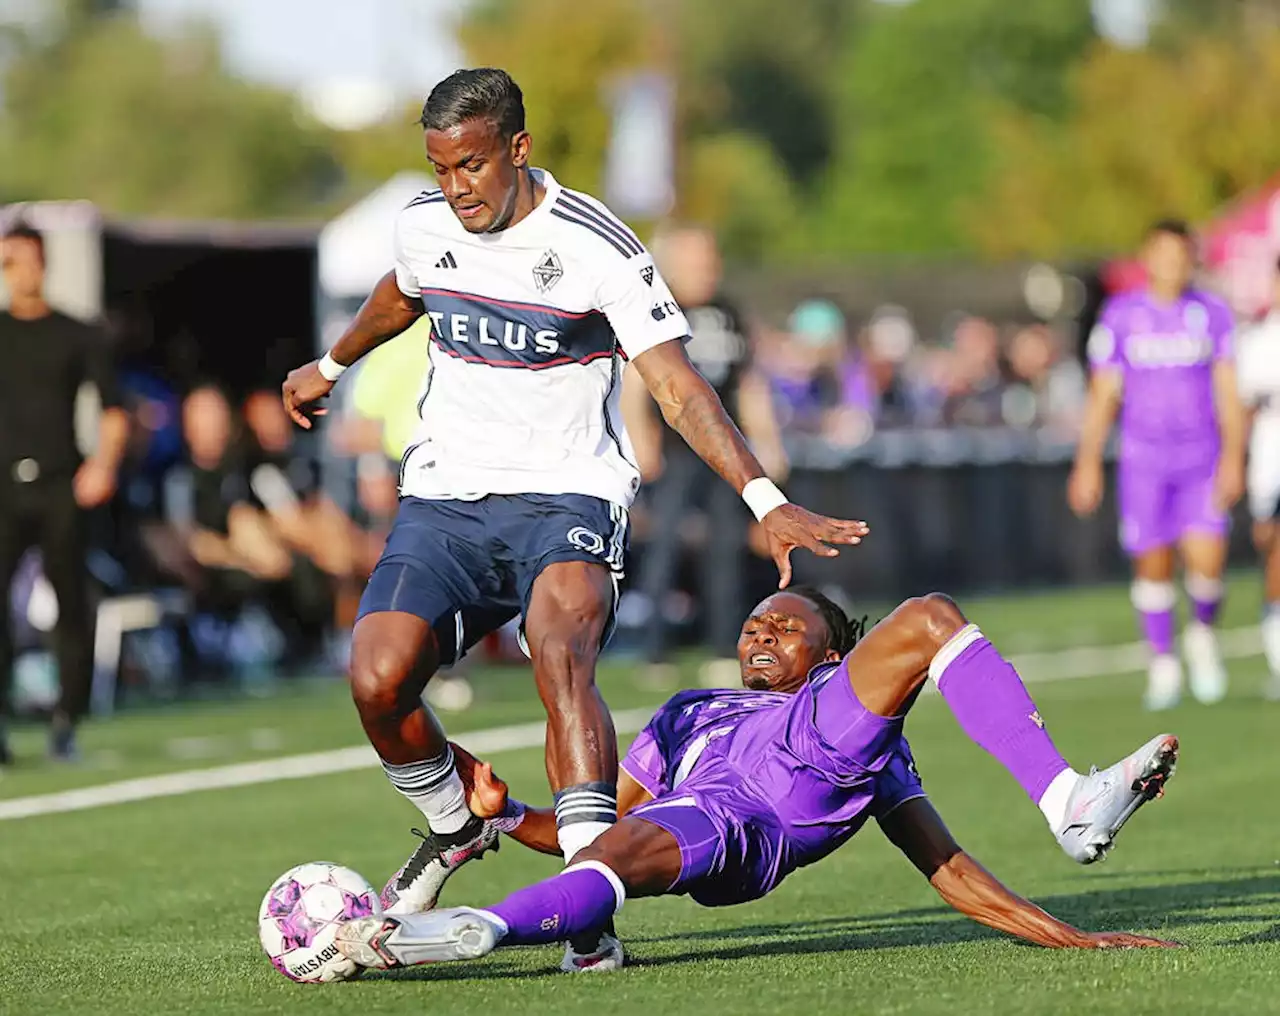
(897, 783)
(644, 761)
(1104, 346)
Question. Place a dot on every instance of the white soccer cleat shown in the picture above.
(603, 956)
(1208, 676)
(1102, 802)
(382, 943)
(1164, 683)
(415, 888)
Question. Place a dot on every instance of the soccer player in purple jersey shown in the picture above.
(726, 792)
(1162, 359)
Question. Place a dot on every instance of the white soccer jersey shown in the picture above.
(531, 326)
(1258, 365)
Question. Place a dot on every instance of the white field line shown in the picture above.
(1066, 664)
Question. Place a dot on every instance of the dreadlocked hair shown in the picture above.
(844, 633)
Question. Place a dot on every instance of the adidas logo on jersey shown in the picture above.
(447, 261)
(646, 273)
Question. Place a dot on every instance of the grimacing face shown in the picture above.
(479, 172)
(784, 638)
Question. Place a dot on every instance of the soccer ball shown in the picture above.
(299, 919)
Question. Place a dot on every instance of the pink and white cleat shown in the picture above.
(1102, 802)
(415, 888)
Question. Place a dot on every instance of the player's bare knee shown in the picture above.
(565, 663)
(378, 673)
(933, 619)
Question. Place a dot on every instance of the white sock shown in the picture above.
(1053, 803)
(1271, 637)
(578, 835)
(435, 789)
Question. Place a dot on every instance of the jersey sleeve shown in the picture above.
(641, 310)
(406, 278)
(897, 783)
(645, 762)
(1103, 346)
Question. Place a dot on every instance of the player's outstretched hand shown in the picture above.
(486, 793)
(304, 386)
(789, 526)
(1084, 489)
(1124, 940)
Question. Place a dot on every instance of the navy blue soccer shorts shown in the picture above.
(468, 567)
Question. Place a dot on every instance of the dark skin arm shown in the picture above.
(918, 831)
(384, 315)
(693, 410)
(487, 797)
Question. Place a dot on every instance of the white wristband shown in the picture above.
(762, 496)
(330, 369)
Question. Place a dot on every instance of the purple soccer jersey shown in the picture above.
(756, 784)
(1169, 438)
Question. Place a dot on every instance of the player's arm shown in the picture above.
(1233, 429)
(1084, 491)
(918, 831)
(692, 409)
(487, 797)
(385, 314)
(650, 329)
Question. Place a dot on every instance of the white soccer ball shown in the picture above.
(299, 919)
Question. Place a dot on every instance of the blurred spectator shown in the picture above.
(975, 387)
(210, 502)
(720, 348)
(1047, 389)
(45, 484)
(821, 380)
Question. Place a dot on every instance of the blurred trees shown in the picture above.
(917, 87)
(808, 129)
(96, 108)
(1170, 130)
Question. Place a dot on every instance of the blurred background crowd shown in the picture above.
(891, 224)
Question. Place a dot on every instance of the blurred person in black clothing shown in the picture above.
(47, 487)
(976, 391)
(211, 502)
(720, 348)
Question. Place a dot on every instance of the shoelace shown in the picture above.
(427, 851)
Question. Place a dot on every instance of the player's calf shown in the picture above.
(992, 705)
(392, 655)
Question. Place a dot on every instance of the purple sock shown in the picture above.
(1157, 625)
(992, 706)
(580, 899)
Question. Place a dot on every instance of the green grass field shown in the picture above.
(150, 907)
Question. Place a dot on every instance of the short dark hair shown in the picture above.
(842, 633)
(479, 93)
(1173, 227)
(25, 231)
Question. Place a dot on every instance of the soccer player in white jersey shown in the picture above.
(514, 494)
(1258, 364)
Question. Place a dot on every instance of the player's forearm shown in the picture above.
(384, 315)
(537, 831)
(1233, 426)
(976, 893)
(694, 411)
(113, 438)
(1099, 415)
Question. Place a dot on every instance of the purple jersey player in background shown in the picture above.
(726, 792)
(1162, 358)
